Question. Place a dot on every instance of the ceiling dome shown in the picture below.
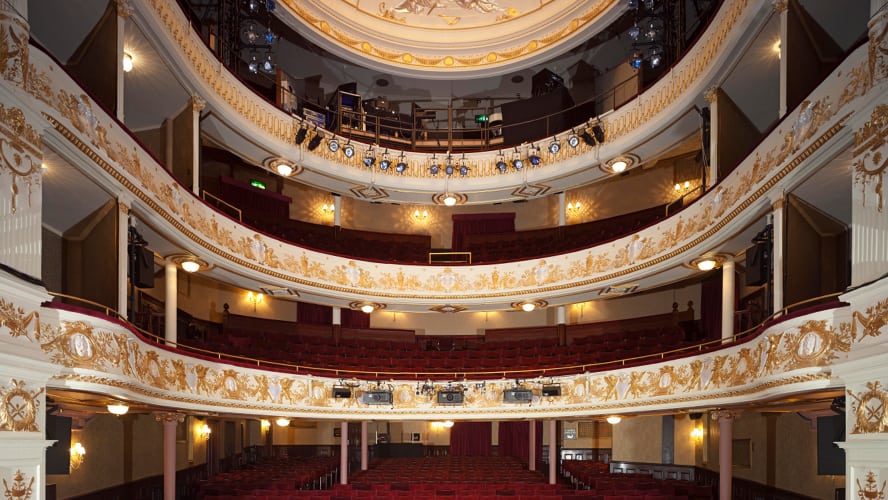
(457, 38)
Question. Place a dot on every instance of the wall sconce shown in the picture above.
(204, 431)
(265, 424)
(573, 208)
(682, 187)
(420, 215)
(127, 62)
(77, 452)
(327, 209)
(255, 299)
(697, 434)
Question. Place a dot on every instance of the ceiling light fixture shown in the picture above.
(367, 308)
(450, 200)
(614, 420)
(118, 409)
(284, 169)
(706, 264)
(528, 306)
(282, 422)
(190, 266)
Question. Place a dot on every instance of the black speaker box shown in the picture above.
(141, 266)
(517, 396)
(450, 397)
(757, 264)
(552, 390)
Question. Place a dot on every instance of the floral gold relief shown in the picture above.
(871, 153)
(872, 490)
(20, 488)
(19, 323)
(19, 407)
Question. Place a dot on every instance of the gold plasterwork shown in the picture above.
(871, 153)
(19, 152)
(870, 409)
(18, 322)
(19, 489)
(19, 407)
(871, 490)
(871, 321)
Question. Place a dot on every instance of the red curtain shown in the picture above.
(355, 319)
(514, 440)
(465, 224)
(470, 439)
(313, 314)
(710, 305)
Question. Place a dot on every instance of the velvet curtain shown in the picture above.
(465, 224)
(514, 439)
(355, 319)
(710, 305)
(313, 314)
(470, 439)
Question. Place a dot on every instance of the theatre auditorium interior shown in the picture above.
(443, 249)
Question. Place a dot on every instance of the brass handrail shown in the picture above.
(377, 374)
(204, 193)
(467, 254)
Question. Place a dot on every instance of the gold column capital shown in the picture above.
(167, 417)
(780, 6)
(725, 415)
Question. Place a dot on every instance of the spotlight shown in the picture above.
(656, 57)
(463, 170)
(333, 145)
(635, 59)
(269, 36)
(534, 155)
(448, 167)
(268, 63)
(401, 166)
(300, 134)
(253, 65)
(634, 32)
(501, 164)
(369, 158)
(434, 166)
(633, 4)
(315, 141)
(587, 138)
(554, 146)
(598, 132)
(573, 141)
(517, 162)
(348, 150)
(385, 162)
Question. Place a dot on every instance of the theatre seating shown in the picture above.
(279, 478)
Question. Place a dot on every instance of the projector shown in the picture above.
(552, 390)
(517, 396)
(341, 392)
(377, 398)
(450, 397)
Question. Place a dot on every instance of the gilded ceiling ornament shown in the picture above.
(19, 490)
(878, 47)
(18, 408)
(871, 490)
(871, 409)
(15, 319)
(871, 152)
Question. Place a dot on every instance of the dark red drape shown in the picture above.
(514, 439)
(470, 439)
(313, 314)
(464, 224)
(355, 319)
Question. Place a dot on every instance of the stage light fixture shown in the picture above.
(534, 155)
(300, 134)
(369, 158)
(448, 167)
(587, 138)
(434, 166)
(635, 59)
(501, 164)
(401, 166)
(385, 162)
(517, 162)
(333, 145)
(656, 57)
(348, 150)
(554, 146)
(573, 141)
(463, 170)
(315, 141)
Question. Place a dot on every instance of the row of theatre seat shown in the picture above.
(273, 478)
(409, 357)
(474, 478)
(587, 475)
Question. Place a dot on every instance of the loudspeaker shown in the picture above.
(552, 390)
(757, 264)
(341, 392)
(141, 266)
(58, 456)
(377, 398)
(450, 397)
(517, 396)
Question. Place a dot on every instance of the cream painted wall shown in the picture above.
(465, 323)
(633, 306)
(685, 445)
(638, 439)
(591, 442)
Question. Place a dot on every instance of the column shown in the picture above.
(562, 215)
(337, 325)
(170, 303)
(778, 239)
(531, 446)
(725, 446)
(553, 451)
(337, 210)
(343, 453)
(711, 173)
(197, 105)
(728, 299)
(561, 324)
(122, 256)
(169, 420)
(363, 445)
(124, 10)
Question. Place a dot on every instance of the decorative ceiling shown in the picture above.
(459, 38)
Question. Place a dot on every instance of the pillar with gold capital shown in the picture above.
(169, 420)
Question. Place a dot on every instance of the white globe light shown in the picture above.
(282, 422)
(367, 308)
(619, 166)
(450, 200)
(614, 420)
(285, 169)
(706, 265)
(190, 266)
(528, 306)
